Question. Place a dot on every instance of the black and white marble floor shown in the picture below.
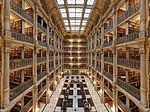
(75, 98)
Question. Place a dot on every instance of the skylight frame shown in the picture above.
(72, 10)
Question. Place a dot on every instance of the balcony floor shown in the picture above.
(75, 97)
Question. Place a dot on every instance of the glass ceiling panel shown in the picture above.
(71, 1)
(79, 1)
(66, 23)
(78, 14)
(72, 14)
(64, 15)
(79, 9)
(71, 10)
(86, 15)
(60, 2)
(90, 2)
(62, 10)
(87, 10)
(83, 24)
(74, 18)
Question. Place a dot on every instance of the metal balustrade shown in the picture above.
(99, 80)
(75, 44)
(27, 106)
(127, 38)
(108, 75)
(107, 44)
(22, 37)
(51, 69)
(82, 55)
(57, 66)
(41, 75)
(99, 57)
(131, 63)
(41, 27)
(17, 63)
(51, 79)
(148, 31)
(120, 103)
(19, 89)
(41, 59)
(56, 57)
(66, 67)
(129, 13)
(51, 35)
(41, 43)
(51, 46)
(98, 69)
(99, 46)
(108, 28)
(67, 50)
(41, 91)
(123, 106)
(99, 35)
(0, 66)
(20, 11)
(74, 61)
(74, 55)
(51, 57)
(108, 59)
(108, 91)
(129, 88)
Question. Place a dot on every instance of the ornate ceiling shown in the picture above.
(75, 16)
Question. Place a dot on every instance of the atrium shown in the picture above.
(74, 56)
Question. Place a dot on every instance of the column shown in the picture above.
(35, 51)
(144, 54)
(55, 40)
(6, 87)
(5, 60)
(88, 45)
(47, 52)
(55, 83)
(115, 76)
(91, 49)
(127, 23)
(23, 22)
(102, 64)
(22, 52)
(22, 80)
(102, 78)
(7, 18)
(143, 76)
(61, 56)
(47, 69)
(115, 68)
(47, 90)
(127, 76)
(22, 77)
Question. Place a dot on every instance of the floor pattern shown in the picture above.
(75, 98)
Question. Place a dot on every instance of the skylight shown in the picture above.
(90, 2)
(60, 2)
(74, 18)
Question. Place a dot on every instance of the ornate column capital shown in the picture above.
(142, 51)
(142, 34)
(7, 50)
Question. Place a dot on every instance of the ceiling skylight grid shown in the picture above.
(73, 16)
